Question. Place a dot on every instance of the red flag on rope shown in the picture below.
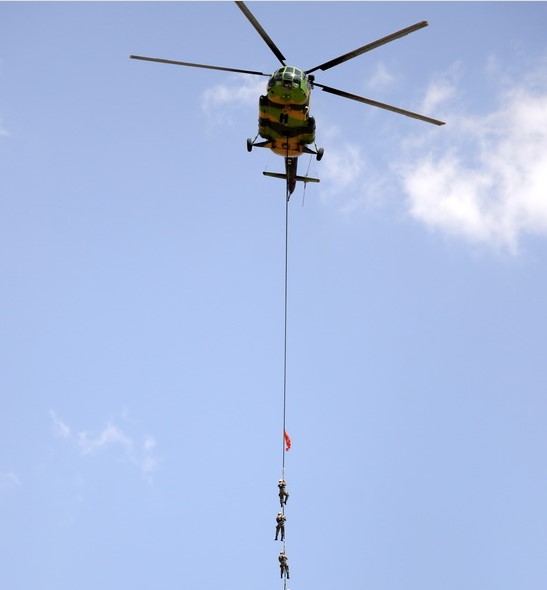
(287, 440)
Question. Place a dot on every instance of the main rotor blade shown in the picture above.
(369, 47)
(191, 65)
(380, 105)
(261, 32)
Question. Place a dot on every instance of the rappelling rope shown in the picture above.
(305, 183)
(285, 330)
(284, 430)
(284, 442)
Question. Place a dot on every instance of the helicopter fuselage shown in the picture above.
(284, 121)
(284, 113)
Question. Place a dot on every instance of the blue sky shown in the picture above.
(141, 301)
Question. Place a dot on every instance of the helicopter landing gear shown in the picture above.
(318, 153)
(251, 143)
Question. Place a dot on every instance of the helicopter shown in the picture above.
(285, 124)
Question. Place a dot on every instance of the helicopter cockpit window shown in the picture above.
(287, 76)
(277, 77)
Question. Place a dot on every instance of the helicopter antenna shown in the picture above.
(261, 32)
(306, 184)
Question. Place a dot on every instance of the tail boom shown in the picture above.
(290, 175)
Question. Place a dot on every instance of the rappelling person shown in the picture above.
(283, 494)
(284, 566)
(280, 528)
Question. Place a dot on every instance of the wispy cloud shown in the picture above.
(3, 131)
(443, 91)
(486, 182)
(347, 175)
(481, 178)
(59, 427)
(380, 78)
(9, 481)
(344, 165)
(110, 435)
(149, 461)
(141, 453)
(240, 90)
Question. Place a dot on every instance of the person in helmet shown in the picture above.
(283, 494)
(283, 565)
(280, 528)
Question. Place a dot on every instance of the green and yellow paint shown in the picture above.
(284, 119)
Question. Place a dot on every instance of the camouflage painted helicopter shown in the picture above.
(284, 122)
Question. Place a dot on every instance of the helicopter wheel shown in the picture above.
(249, 144)
(320, 153)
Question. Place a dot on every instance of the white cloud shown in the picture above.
(347, 175)
(490, 186)
(381, 78)
(3, 130)
(9, 481)
(111, 436)
(343, 166)
(240, 90)
(442, 90)
(59, 427)
(149, 443)
(438, 93)
(149, 460)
